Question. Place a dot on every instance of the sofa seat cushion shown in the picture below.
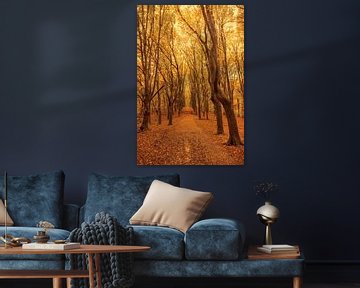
(119, 196)
(29, 232)
(35, 198)
(214, 239)
(166, 243)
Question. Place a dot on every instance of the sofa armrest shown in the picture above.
(215, 239)
(70, 216)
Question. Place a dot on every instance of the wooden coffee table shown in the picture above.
(92, 251)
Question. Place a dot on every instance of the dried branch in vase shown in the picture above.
(264, 189)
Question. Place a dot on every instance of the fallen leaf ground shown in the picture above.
(189, 141)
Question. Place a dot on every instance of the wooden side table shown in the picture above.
(93, 251)
(254, 254)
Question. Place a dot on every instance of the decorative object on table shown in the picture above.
(255, 254)
(41, 236)
(278, 249)
(268, 213)
(11, 241)
(60, 241)
(51, 246)
(45, 225)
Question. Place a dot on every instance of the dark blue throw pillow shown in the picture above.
(119, 196)
(35, 198)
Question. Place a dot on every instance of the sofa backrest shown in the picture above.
(35, 198)
(119, 196)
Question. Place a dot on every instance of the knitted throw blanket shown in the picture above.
(116, 268)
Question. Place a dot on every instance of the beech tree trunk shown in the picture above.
(218, 115)
(171, 111)
(199, 104)
(214, 68)
(159, 109)
(234, 136)
(146, 115)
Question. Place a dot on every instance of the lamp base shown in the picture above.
(268, 237)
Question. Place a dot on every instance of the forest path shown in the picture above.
(189, 141)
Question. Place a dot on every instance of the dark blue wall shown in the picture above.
(67, 100)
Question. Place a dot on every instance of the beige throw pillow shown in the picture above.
(9, 221)
(170, 206)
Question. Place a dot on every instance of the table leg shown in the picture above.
(57, 283)
(91, 270)
(98, 270)
(68, 282)
(297, 282)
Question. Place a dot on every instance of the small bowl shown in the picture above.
(41, 237)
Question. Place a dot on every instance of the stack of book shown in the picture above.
(279, 249)
(274, 252)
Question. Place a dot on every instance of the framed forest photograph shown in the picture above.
(190, 85)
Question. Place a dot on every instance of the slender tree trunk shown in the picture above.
(206, 108)
(229, 88)
(217, 106)
(170, 114)
(234, 136)
(238, 107)
(146, 115)
(193, 102)
(159, 109)
(149, 120)
(198, 103)
(218, 115)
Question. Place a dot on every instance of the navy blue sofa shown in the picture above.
(210, 248)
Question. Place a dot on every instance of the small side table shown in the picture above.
(255, 255)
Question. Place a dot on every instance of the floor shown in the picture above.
(238, 283)
(246, 284)
(343, 285)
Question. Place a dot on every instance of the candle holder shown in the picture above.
(42, 236)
